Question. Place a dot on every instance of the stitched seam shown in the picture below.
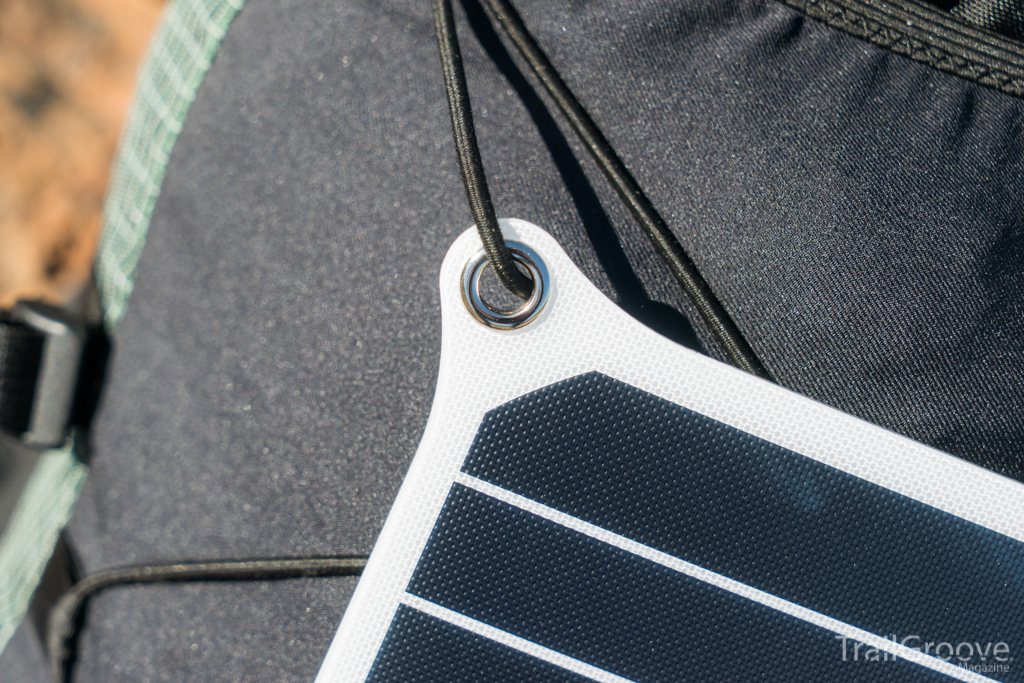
(963, 55)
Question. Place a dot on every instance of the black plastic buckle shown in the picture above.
(41, 353)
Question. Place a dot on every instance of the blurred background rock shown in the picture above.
(67, 70)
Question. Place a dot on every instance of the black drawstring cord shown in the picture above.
(65, 613)
(468, 152)
(685, 272)
(668, 247)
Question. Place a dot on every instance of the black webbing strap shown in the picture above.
(51, 368)
(21, 353)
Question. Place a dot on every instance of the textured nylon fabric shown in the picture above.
(928, 35)
(856, 212)
(24, 658)
(1001, 16)
(258, 631)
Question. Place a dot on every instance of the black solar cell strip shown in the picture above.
(710, 494)
(422, 648)
(602, 605)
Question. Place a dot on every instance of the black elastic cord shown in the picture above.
(711, 310)
(468, 152)
(65, 613)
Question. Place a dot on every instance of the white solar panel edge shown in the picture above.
(582, 331)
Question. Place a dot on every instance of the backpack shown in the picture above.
(845, 175)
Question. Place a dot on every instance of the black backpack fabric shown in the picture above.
(858, 209)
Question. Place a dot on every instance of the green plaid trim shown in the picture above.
(43, 509)
(179, 56)
(186, 41)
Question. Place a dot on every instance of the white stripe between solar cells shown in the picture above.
(720, 581)
(515, 642)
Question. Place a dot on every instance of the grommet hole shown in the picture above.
(490, 304)
(495, 295)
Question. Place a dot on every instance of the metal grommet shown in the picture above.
(519, 316)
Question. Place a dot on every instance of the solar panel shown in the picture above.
(609, 506)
